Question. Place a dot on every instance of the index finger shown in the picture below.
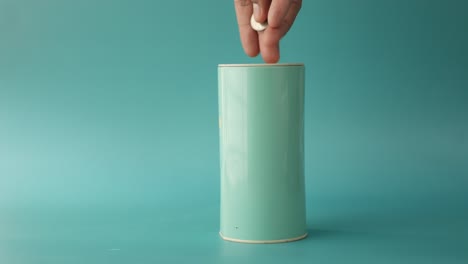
(249, 37)
(278, 10)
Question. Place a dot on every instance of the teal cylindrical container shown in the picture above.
(261, 126)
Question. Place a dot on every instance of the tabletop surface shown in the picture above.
(185, 229)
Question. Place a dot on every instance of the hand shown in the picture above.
(280, 15)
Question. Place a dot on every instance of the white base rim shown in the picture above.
(263, 241)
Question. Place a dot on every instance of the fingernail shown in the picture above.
(256, 9)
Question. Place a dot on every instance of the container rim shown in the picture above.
(262, 65)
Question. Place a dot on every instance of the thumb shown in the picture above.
(260, 10)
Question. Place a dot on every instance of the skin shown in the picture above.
(280, 15)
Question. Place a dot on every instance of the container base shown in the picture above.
(263, 241)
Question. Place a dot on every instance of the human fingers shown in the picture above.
(290, 17)
(270, 38)
(249, 37)
(277, 11)
(269, 44)
(260, 10)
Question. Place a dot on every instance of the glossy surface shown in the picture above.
(261, 111)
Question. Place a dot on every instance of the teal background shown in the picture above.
(109, 134)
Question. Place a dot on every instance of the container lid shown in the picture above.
(261, 65)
